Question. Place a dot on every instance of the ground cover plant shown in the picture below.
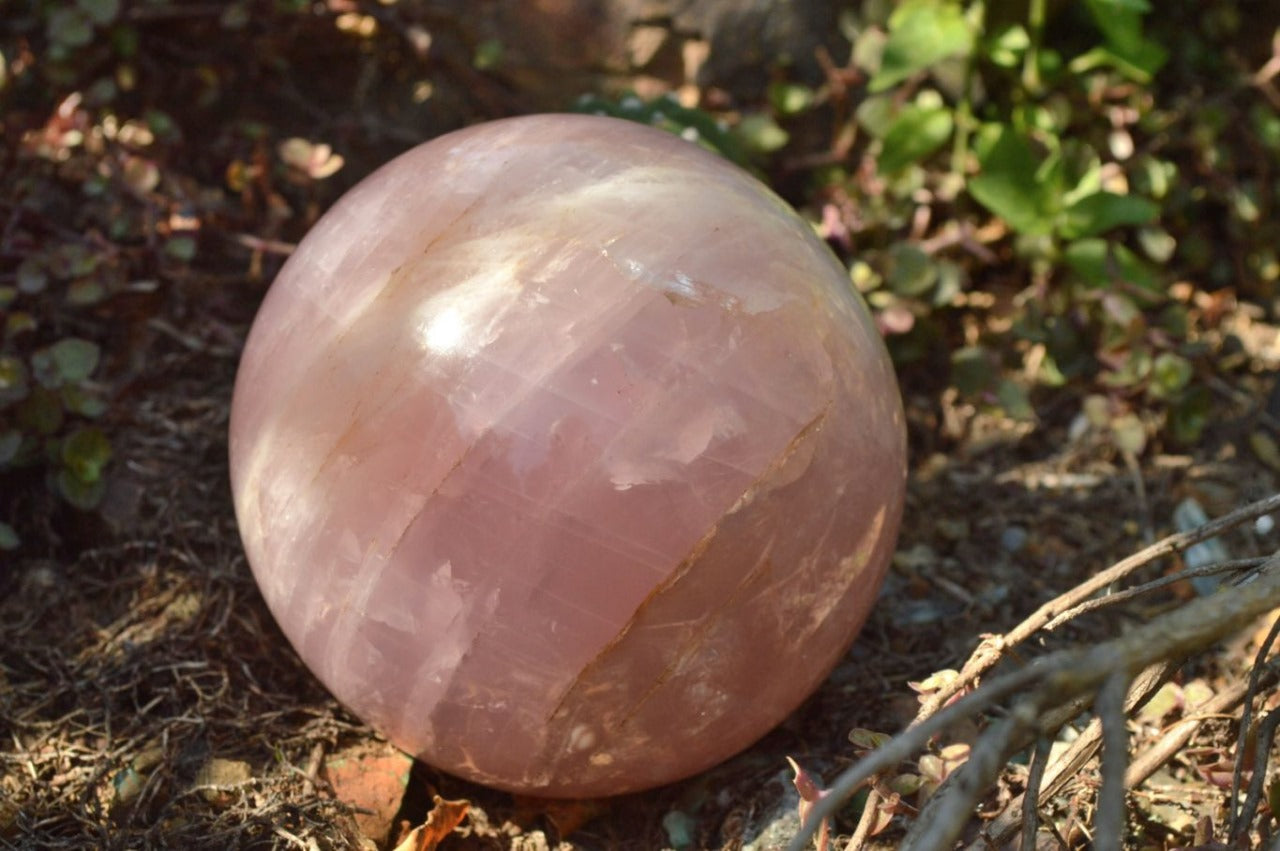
(1063, 217)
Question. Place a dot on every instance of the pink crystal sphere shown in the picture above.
(565, 455)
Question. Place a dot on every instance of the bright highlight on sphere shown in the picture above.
(565, 455)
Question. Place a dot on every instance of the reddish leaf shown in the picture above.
(567, 816)
(372, 779)
(441, 821)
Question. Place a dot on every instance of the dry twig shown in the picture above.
(1069, 675)
(991, 652)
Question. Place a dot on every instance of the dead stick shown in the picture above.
(1154, 585)
(1108, 824)
(1066, 674)
(944, 816)
(1242, 735)
(1035, 774)
(1068, 765)
(992, 651)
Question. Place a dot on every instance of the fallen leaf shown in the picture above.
(566, 816)
(372, 779)
(216, 778)
(1264, 446)
(443, 818)
(810, 793)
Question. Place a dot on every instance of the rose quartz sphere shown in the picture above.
(565, 455)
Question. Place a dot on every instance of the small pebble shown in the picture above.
(1013, 538)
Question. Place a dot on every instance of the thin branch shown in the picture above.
(1086, 744)
(1083, 749)
(1108, 824)
(1035, 773)
(870, 815)
(907, 743)
(1180, 733)
(990, 652)
(1068, 674)
(1262, 749)
(1246, 715)
(1112, 599)
(944, 816)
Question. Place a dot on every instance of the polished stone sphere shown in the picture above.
(565, 455)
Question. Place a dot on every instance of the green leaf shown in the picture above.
(40, 413)
(951, 281)
(876, 115)
(1139, 6)
(45, 370)
(1121, 311)
(1011, 186)
(973, 371)
(868, 49)
(181, 248)
(1157, 244)
(1122, 27)
(32, 277)
(83, 292)
(912, 272)
(1101, 263)
(1139, 65)
(1189, 416)
(1170, 373)
(1102, 211)
(1071, 352)
(85, 452)
(10, 443)
(489, 54)
(161, 124)
(917, 132)
(921, 32)
(19, 322)
(1129, 434)
(906, 784)
(1007, 47)
(1127, 49)
(1133, 370)
(83, 495)
(1014, 400)
(9, 539)
(790, 98)
(73, 260)
(14, 381)
(101, 12)
(69, 27)
(75, 359)
(235, 17)
(867, 740)
(79, 400)
(760, 134)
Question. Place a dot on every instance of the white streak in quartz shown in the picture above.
(666, 448)
(463, 319)
(681, 288)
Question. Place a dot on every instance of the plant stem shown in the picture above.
(964, 109)
(1036, 14)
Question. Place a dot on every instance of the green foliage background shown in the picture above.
(1073, 164)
